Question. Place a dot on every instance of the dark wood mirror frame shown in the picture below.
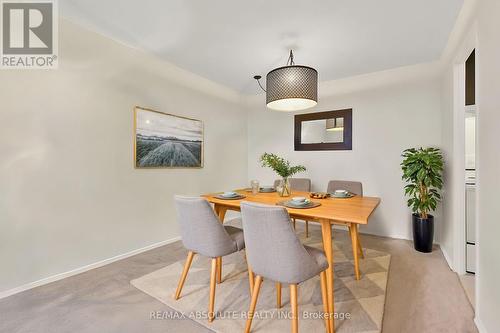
(345, 145)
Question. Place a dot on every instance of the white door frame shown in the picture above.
(458, 160)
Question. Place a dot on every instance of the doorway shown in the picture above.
(468, 279)
(465, 166)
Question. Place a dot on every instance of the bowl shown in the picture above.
(229, 194)
(298, 199)
(340, 192)
(319, 195)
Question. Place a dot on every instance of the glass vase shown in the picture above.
(284, 187)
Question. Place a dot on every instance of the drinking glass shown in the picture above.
(255, 186)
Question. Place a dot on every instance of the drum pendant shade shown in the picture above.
(292, 88)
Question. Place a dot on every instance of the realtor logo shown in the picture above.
(29, 34)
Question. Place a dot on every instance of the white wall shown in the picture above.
(480, 29)
(69, 194)
(386, 120)
(488, 165)
(461, 43)
(448, 194)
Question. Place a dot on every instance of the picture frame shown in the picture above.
(167, 141)
(326, 140)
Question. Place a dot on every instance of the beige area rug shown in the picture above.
(359, 305)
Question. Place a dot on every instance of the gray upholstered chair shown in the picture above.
(298, 184)
(274, 252)
(203, 233)
(355, 188)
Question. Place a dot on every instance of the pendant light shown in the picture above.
(291, 87)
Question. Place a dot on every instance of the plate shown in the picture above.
(342, 196)
(238, 197)
(310, 204)
(267, 189)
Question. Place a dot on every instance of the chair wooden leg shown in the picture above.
(211, 304)
(294, 224)
(251, 279)
(322, 276)
(253, 302)
(219, 269)
(189, 260)
(295, 309)
(307, 229)
(360, 248)
(354, 243)
(278, 295)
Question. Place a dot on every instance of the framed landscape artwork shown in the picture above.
(163, 140)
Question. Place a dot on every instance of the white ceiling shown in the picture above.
(229, 41)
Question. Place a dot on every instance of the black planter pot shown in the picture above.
(423, 233)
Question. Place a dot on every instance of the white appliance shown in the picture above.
(470, 189)
(470, 141)
(470, 220)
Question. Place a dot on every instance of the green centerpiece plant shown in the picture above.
(422, 171)
(283, 168)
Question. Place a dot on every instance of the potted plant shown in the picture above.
(422, 170)
(283, 168)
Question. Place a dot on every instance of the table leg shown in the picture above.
(221, 213)
(354, 241)
(326, 231)
(322, 276)
(360, 248)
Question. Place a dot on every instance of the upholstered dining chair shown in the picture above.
(203, 233)
(298, 184)
(355, 188)
(274, 252)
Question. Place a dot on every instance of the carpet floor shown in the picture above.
(423, 295)
(359, 305)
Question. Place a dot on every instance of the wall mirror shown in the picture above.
(330, 130)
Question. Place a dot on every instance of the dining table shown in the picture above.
(351, 211)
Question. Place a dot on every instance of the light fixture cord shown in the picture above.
(290, 61)
(260, 85)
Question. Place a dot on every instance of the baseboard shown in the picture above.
(479, 325)
(362, 232)
(82, 269)
(344, 228)
(447, 257)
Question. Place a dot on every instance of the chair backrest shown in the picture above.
(297, 184)
(201, 230)
(273, 250)
(353, 187)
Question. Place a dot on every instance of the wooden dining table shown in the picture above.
(350, 211)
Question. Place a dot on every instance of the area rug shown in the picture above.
(359, 305)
